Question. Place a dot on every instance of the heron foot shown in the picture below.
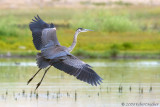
(38, 85)
(29, 81)
(33, 76)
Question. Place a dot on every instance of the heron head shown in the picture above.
(83, 30)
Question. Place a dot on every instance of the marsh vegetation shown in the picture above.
(130, 31)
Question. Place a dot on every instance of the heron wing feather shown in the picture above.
(37, 27)
(73, 66)
(49, 34)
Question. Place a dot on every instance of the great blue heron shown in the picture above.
(53, 54)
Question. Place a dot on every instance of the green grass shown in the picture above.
(130, 30)
(104, 21)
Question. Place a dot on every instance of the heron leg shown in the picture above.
(42, 78)
(33, 76)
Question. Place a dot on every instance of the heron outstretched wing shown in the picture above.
(74, 66)
(42, 32)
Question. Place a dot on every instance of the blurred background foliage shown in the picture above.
(127, 30)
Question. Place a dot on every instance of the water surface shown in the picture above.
(125, 81)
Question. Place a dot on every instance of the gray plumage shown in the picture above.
(49, 34)
(39, 27)
(41, 61)
(53, 54)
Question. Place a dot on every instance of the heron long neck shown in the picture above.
(74, 41)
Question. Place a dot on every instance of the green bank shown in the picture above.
(118, 32)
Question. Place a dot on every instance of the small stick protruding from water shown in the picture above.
(37, 96)
(139, 89)
(31, 94)
(130, 88)
(6, 92)
(47, 95)
(67, 94)
(120, 89)
(57, 97)
(75, 96)
(150, 89)
(98, 93)
(23, 92)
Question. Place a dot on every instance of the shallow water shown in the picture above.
(126, 83)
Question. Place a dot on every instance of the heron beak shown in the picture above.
(86, 30)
